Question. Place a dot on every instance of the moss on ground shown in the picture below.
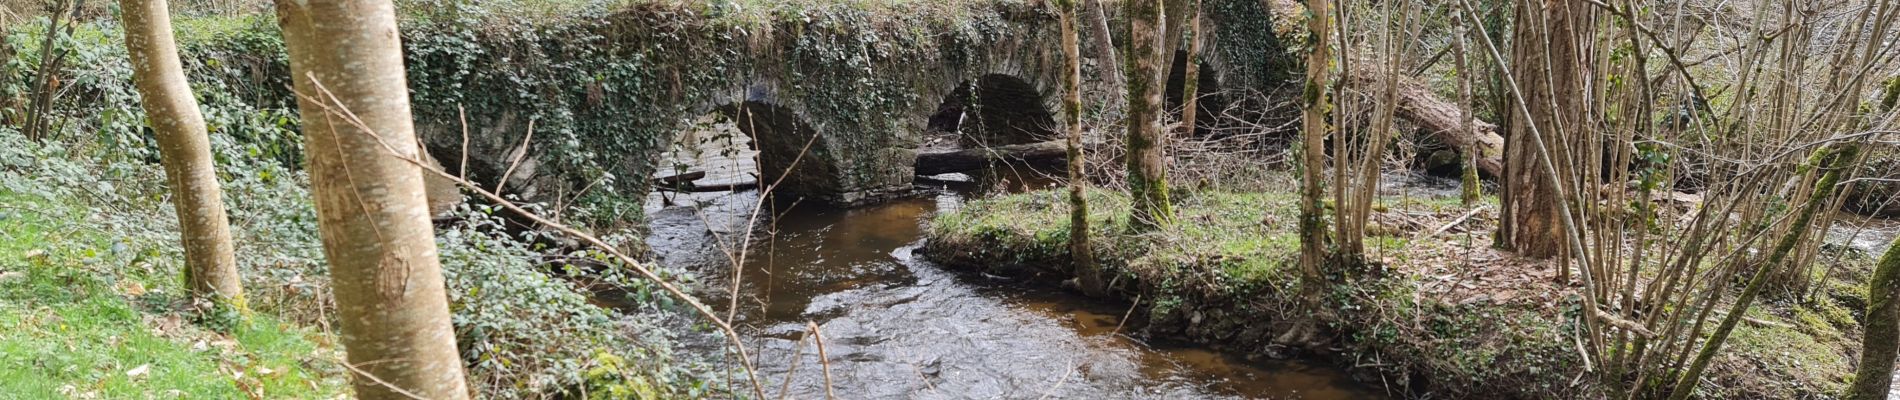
(83, 316)
(1226, 272)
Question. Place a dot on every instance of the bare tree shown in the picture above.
(371, 209)
(184, 150)
(1147, 163)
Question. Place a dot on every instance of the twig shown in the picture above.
(1059, 382)
(823, 359)
(784, 388)
(1125, 315)
(519, 154)
(380, 381)
(1455, 222)
(462, 114)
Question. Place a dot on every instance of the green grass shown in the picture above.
(80, 316)
(1246, 236)
(1248, 241)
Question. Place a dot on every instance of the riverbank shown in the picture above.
(1446, 315)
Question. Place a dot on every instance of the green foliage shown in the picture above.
(528, 333)
(525, 332)
(86, 312)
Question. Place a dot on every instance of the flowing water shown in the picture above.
(898, 327)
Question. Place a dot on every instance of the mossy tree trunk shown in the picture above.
(1088, 274)
(1880, 342)
(1471, 189)
(1874, 377)
(372, 214)
(185, 151)
(1147, 163)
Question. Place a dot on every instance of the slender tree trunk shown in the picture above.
(1088, 274)
(7, 103)
(1832, 163)
(184, 150)
(1147, 165)
(1494, 30)
(1548, 62)
(1874, 377)
(1472, 189)
(1174, 18)
(1105, 54)
(371, 210)
(1313, 133)
(1191, 76)
(46, 81)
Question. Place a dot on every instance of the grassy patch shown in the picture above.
(1245, 237)
(81, 316)
(1426, 315)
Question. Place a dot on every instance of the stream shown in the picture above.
(899, 327)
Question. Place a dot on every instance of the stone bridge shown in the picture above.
(848, 93)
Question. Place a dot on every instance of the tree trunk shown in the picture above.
(1191, 76)
(348, 68)
(1874, 377)
(1147, 167)
(1313, 132)
(1105, 49)
(1088, 274)
(185, 151)
(1548, 60)
(1471, 189)
(1174, 18)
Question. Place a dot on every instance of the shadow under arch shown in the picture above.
(996, 110)
(780, 135)
(1212, 104)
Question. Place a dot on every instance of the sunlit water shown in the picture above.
(899, 327)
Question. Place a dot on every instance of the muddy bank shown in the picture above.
(1446, 318)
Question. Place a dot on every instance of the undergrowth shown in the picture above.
(1226, 273)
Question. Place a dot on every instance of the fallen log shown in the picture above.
(722, 187)
(1439, 117)
(941, 162)
(681, 179)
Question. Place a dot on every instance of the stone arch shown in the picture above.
(1212, 100)
(996, 110)
(788, 146)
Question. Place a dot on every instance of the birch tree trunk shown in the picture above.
(184, 150)
(1147, 165)
(371, 210)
